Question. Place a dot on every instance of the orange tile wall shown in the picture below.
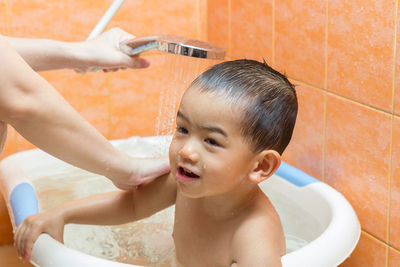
(343, 55)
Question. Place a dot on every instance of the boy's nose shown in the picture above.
(188, 152)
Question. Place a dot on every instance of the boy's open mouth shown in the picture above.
(187, 173)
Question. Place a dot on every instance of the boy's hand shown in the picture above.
(30, 229)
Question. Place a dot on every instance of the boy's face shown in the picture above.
(208, 154)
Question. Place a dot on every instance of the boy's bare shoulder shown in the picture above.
(259, 240)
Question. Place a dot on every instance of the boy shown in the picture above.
(233, 123)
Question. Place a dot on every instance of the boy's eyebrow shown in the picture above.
(209, 128)
(180, 114)
(214, 129)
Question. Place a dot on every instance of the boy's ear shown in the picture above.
(266, 164)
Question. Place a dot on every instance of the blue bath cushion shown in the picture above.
(294, 175)
(23, 202)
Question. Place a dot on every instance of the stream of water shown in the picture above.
(179, 72)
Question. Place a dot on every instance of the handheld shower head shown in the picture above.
(174, 45)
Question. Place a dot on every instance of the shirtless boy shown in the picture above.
(233, 123)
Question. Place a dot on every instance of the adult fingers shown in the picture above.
(124, 35)
(136, 62)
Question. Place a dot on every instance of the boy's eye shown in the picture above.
(211, 142)
(181, 130)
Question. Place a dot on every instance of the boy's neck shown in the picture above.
(229, 204)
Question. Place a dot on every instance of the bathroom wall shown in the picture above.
(344, 58)
(342, 55)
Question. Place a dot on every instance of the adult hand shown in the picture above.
(142, 170)
(103, 52)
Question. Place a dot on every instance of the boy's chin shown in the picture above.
(184, 190)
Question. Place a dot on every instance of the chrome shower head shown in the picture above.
(174, 45)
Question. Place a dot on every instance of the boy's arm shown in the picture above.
(104, 209)
(256, 245)
(122, 206)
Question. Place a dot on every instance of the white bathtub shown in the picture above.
(321, 227)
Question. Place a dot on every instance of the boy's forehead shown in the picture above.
(213, 94)
(209, 105)
(197, 96)
(216, 97)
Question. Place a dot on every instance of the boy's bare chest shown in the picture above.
(201, 242)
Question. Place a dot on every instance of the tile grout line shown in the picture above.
(198, 19)
(206, 22)
(394, 248)
(205, 34)
(387, 256)
(387, 246)
(325, 97)
(343, 97)
(391, 132)
(374, 237)
(8, 17)
(389, 197)
(394, 55)
(324, 138)
(273, 34)
(229, 27)
(326, 45)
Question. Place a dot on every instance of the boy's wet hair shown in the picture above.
(266, 97)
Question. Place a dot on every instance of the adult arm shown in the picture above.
(41, 115)
(104, 209)
(100, 52)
